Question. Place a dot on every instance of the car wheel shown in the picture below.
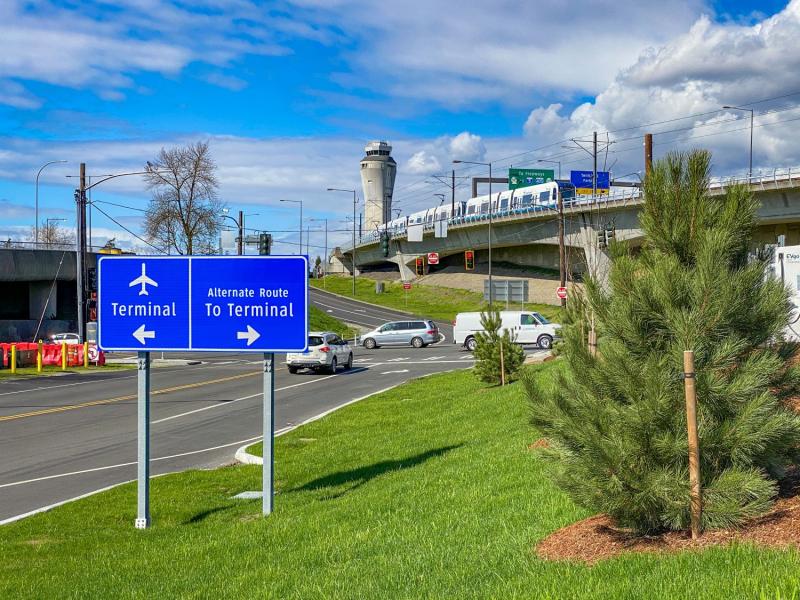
(417, 342)
(293, 370)
(471, 344)
(332, 368)
(349, 364)
(370, 344)
(545, 342)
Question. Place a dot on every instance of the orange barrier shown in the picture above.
(51, 353)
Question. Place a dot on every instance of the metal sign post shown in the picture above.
(143, 443)
(190, 303)
(268, 469)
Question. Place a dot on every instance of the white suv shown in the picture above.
(326, 351)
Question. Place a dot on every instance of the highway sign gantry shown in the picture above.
(183, 303)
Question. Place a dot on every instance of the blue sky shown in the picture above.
(289, 92)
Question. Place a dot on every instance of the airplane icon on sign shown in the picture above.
(144, 281)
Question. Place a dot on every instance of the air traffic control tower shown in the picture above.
(378, 170)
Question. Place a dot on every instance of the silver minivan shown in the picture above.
(417, 332)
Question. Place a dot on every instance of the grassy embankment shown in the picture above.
(423, 300)
(408, 494)
(319, 320)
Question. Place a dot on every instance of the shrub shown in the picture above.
(491, 346)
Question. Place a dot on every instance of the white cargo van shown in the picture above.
(529, 327)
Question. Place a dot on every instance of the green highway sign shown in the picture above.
(518, 178)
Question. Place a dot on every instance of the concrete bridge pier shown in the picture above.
(402, 261)
(342, 263)
(598, 261)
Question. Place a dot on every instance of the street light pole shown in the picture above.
(300, 202)
(36, 212)
(552, 162)
(486, 164)
(752, 115)
(355, 200)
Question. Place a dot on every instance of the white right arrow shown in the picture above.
(141, 335)
(251, 335)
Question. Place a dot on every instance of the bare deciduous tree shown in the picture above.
(183, 215)
(51, 235)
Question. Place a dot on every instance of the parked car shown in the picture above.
(418, 333)
(326, 351)
(70, 338)
(528, 327)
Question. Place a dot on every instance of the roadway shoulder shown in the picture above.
(371, 304)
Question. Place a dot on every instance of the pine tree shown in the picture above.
(488, 351)
(617, 423)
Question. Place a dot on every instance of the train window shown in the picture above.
(527, 199)
(553, 195)
(484, 207)
(430, 218)
(544, 197)
(471, 209)
(504, 204)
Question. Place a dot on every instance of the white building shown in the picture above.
(378, 171)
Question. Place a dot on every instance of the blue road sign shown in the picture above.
(180, 303)
(582, 180)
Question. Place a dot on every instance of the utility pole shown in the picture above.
(648, 153)
(594, 170)
(452, 193)
(80, 245)
(562, 257)
(240, 239)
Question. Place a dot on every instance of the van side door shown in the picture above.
(528, 331)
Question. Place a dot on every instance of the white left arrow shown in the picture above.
(251, 335)
(141, 335)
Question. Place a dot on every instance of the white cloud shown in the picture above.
(422, 163)
(467, 146)
(699, 71)
(101, 47)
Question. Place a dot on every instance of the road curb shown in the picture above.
(244, 457)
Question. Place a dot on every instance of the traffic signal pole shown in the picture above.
(80, 249)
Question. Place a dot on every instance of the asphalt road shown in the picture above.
(64, 436)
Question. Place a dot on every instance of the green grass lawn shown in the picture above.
(318, 320)
(425, 491)
(423, 300)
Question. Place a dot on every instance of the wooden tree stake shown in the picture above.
(694, 446)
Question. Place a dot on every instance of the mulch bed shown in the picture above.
(598, 538)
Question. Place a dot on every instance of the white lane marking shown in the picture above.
(396, 359)
(247, 441)
(126, 464)
(389, 372)
(435, 357)
(197, 410)
(468, 357)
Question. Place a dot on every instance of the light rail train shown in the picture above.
(541, 197)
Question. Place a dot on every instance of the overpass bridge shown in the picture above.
(529, 237)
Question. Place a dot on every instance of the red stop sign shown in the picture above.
(561, 292)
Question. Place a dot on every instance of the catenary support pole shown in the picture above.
(268, 476)
(562, 254)
(694, 446)
(143, 442)
(594, 169)
(240, 239)
(453, 194)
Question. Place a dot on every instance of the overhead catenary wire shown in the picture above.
(112, 219)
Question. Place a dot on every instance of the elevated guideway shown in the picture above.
(530, 237)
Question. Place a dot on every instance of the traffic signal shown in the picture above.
(420, 266)
(264, 244)
(469, 260)
(91, 277)
(601, 239)
(385, 243)
(610, 235)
